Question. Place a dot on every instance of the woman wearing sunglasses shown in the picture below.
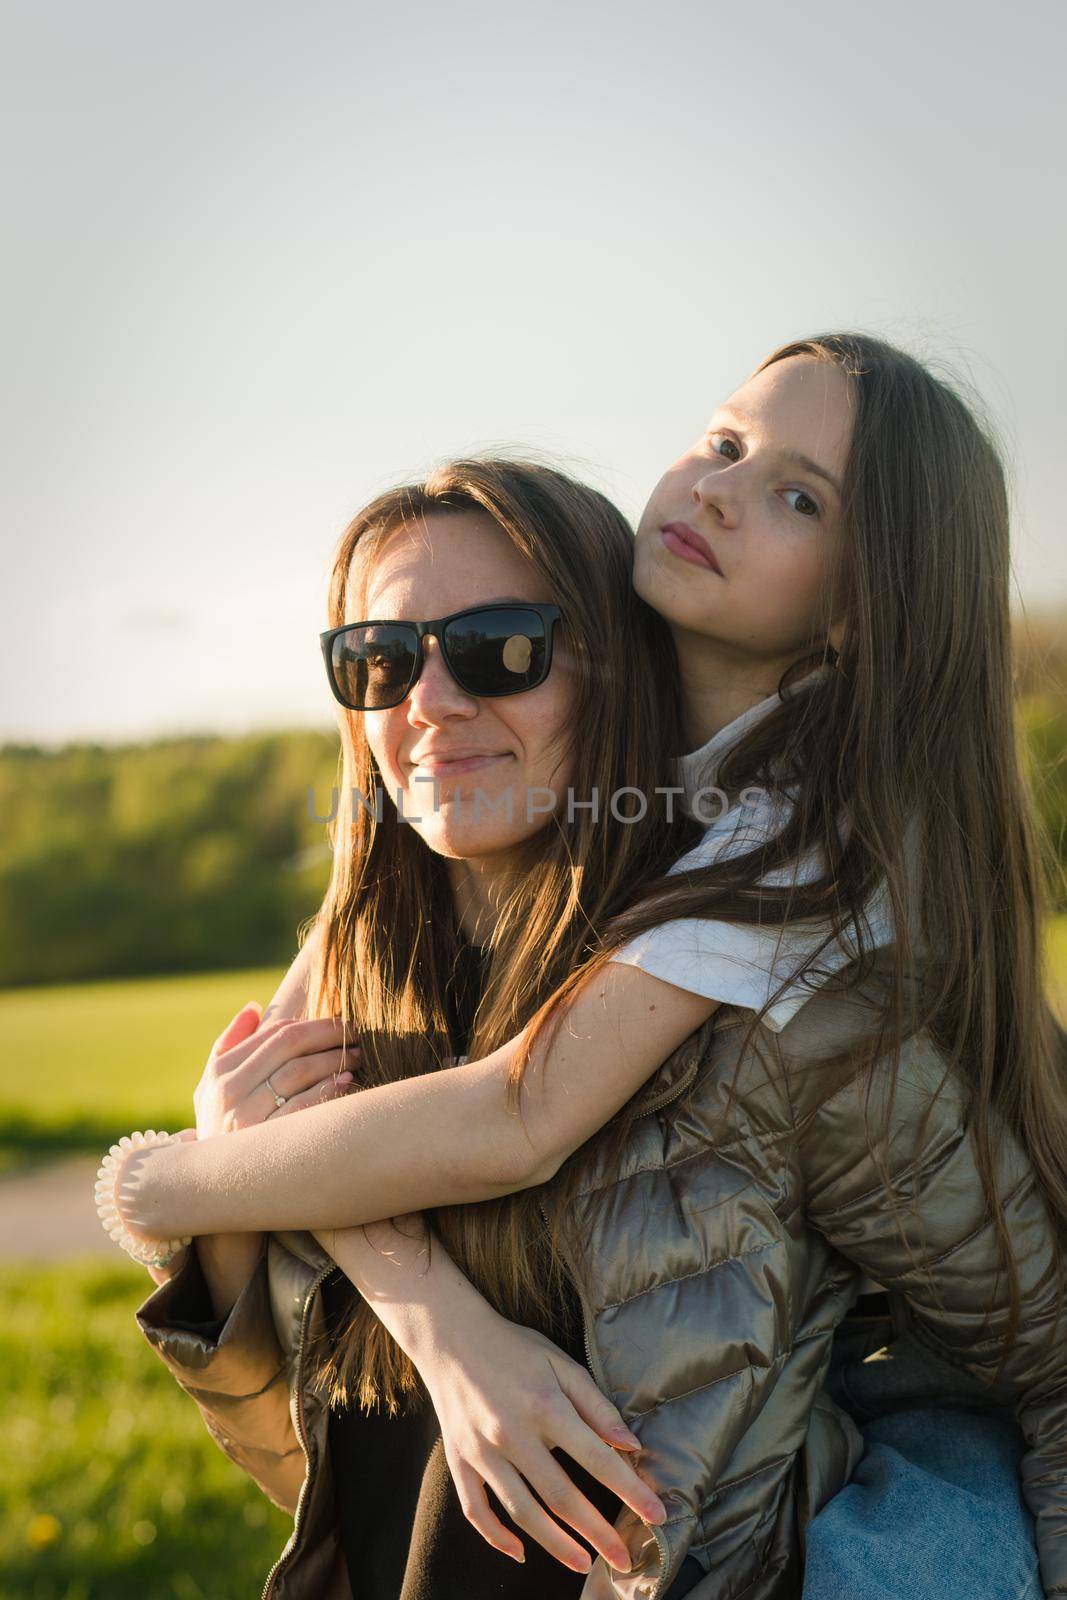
(715, 1246)
(489, 650)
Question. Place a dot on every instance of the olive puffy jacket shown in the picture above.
(747, 1233)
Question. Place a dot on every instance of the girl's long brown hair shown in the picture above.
(386, 935)
(914, 738)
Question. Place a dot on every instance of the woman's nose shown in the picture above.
(435, 693)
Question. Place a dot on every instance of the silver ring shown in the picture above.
(279, 1099)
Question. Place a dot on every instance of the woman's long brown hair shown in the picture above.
(387, 937)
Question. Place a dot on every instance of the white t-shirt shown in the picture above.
(738, 964)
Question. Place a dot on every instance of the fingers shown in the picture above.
(284, 1042)
(601, 1462)
(577, 1434)
(327, 1089)
(286, 1036)
(303, 1072)
(239, 1040)
(242, 1027)
(523, 1509)
(479, 1513)
(561, 1495)
(241, 1097)
(593, 1405)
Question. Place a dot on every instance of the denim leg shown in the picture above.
(934, 1508)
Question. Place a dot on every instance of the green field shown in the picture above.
(111, 1487)
(89, 1061)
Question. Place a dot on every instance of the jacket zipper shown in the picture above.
(593, 1362)
(305, 1487)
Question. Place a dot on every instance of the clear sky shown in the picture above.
(264, 260)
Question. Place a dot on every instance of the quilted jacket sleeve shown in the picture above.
(235, 1371)
(939, 1254)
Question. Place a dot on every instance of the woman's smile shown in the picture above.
(448, 764)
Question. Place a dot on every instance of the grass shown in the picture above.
(111, 1487)
(86, 1062)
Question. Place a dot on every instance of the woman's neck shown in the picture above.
(479, 886)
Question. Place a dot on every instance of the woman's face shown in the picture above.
(476, 749)
(735, 546)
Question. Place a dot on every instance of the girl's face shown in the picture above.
(476, 749)
(735, 546)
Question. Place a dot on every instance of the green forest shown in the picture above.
(180, 855)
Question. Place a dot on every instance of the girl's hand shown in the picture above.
(504, 1401)
(303, 1060)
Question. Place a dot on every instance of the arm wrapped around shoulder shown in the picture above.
(930, 1236)
(235, 1371)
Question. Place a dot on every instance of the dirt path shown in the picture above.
(49, 1212)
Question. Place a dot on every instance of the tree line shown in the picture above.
(179, 855)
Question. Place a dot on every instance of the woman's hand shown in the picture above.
(226, 1098)
(232, 1093)
(505, 1400)
(301, 1059)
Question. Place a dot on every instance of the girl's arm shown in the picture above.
(444, 1138)
(505, 1397)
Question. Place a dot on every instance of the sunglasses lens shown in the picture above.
(497, 652)
(372, 664)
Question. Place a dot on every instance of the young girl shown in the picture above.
(846, 496)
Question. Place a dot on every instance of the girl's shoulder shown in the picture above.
(754, 965)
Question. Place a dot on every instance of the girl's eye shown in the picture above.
(725, 442)
(803, 503)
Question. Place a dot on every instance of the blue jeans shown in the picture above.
(934, 1507)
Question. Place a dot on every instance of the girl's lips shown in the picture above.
(683, 541)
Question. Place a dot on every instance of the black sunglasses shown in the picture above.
(489, 650)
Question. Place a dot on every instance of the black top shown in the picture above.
(404, 1533)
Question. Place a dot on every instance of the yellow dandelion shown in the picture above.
(43, 1529)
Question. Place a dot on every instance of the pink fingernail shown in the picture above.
(345, 1077)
